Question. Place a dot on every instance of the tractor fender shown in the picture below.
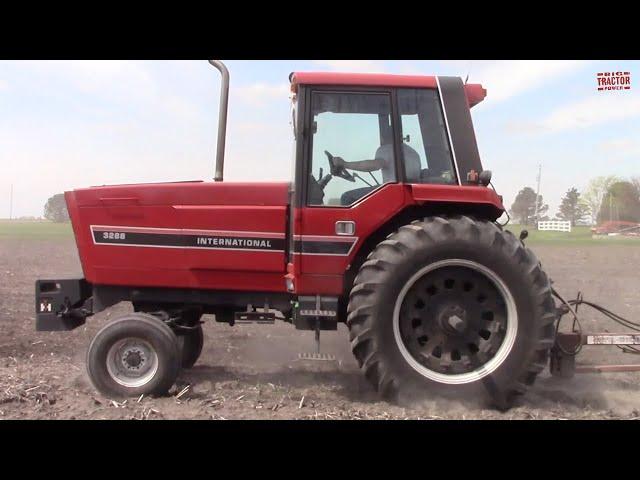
(456, 194)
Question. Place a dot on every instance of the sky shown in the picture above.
(73, 124)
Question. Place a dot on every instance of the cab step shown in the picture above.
(244, 318)
(317, 357)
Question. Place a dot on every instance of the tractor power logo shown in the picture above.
(614, 81)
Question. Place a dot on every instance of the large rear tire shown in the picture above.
(452, 305)
(133, 355)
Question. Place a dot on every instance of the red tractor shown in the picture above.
(389, 225)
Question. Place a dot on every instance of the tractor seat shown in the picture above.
(352, 196)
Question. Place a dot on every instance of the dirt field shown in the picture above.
(251, 372)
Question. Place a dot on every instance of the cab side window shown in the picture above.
(426, 151)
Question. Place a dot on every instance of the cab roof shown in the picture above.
(474, 92)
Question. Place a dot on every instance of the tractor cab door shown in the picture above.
(336, 209)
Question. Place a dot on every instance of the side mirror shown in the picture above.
(485, 177)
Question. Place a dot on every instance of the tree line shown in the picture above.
(604, 198)
(56, 209)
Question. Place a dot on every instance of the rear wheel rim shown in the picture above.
(132, 362)
(455, 321)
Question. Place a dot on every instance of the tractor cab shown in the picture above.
(375, 158)
(357, 133)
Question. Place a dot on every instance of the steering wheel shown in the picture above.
(337, 171)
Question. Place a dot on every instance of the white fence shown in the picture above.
(555, 226)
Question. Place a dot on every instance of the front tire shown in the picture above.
(191, 343)
(134, 355)
(454, 305)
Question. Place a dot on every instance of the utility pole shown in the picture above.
(11, 203)
(535, 215)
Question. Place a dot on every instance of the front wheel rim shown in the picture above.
(132, 362)
(436, 309)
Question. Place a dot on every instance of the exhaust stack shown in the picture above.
(222, 118)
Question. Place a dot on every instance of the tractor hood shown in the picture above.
(183, 193)
(188, 235)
